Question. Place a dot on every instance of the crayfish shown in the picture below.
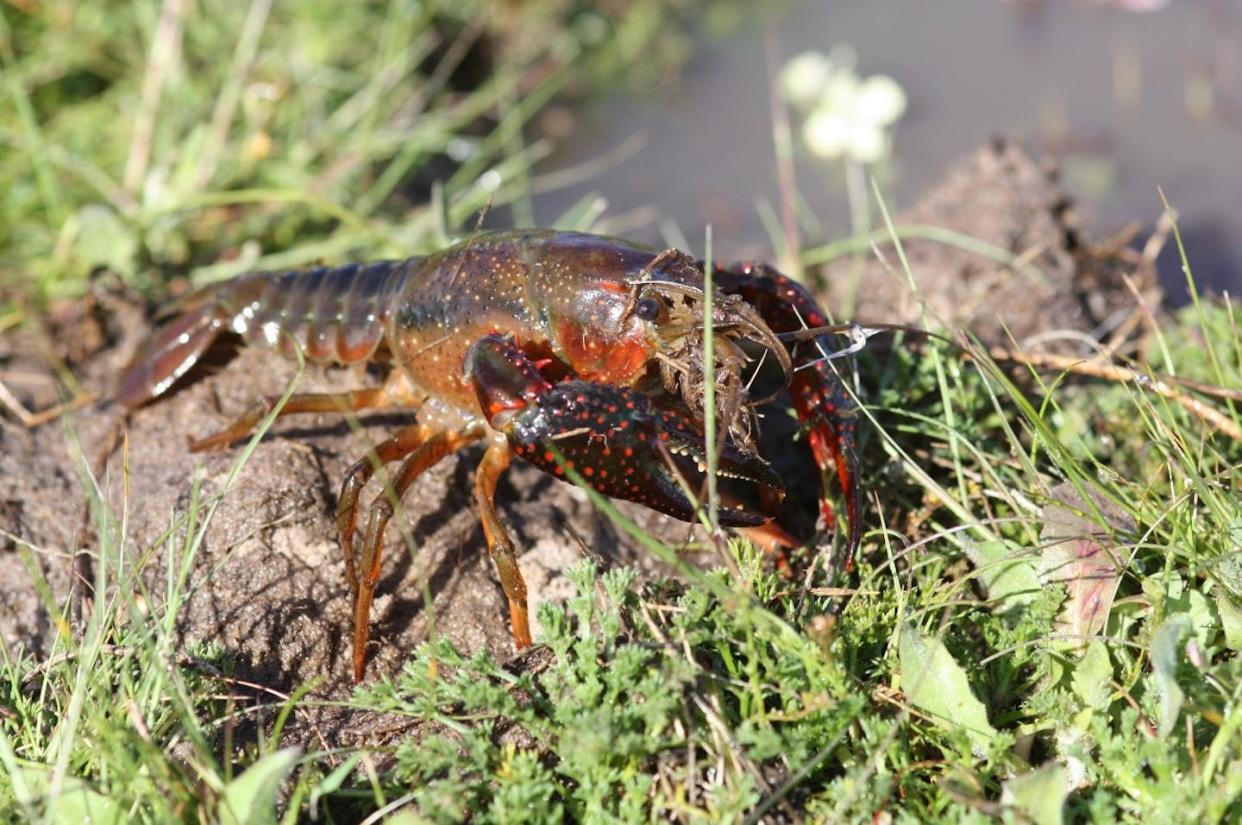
(580, 354)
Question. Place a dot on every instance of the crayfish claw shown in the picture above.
(624, 446)
(819, 398)
(613, 440)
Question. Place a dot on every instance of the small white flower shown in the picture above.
(1141, 5)
(490, 181)
(880, 100)
(867, 142)
(848, 115)
(826, 133)
(840, 91)
(804, 77)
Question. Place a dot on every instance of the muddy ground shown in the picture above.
(268, 583)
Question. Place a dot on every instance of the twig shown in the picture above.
(1144, 263)
(135, 719)
(1111, 372)
(68, 656)
(14, 406)
(31, 420)
(82, 578)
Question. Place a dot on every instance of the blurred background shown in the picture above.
(1125, 96)
(187, 140)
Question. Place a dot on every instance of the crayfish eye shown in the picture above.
(648, 309)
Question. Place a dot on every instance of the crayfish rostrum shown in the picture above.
(570, 351)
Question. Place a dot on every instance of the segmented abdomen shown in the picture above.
(335, 314)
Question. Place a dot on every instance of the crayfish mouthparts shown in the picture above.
(682, 361)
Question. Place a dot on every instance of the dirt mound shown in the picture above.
(999, 196)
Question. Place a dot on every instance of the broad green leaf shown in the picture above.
(1093, 675)
(1228, 601)
(1007, 572)
(104, 240)
(1166, 646)
(79, 803)
(1040, 794)
(250, 799)
(76, 803)
(937, 686)
(1165, 591)
(1199, 611)
(1231, 619)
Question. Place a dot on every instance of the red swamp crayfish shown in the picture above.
(567, 350)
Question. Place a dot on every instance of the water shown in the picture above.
(1127, 102)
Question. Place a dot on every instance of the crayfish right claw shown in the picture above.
(623, 446)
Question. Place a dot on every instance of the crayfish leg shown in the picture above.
(247, 422)
(405, 441)
(425, 448)
(395, 392)
(773, 540)
(499, 545)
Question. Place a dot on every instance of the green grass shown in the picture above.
(210, 137)
(958, 681)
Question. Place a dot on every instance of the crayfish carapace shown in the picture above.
(570, 351)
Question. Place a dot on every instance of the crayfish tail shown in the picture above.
(169, 354)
